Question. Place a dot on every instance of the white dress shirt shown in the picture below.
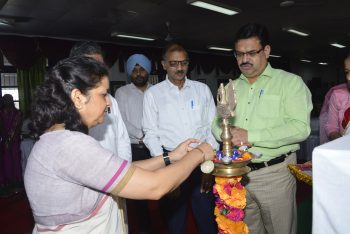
(112, 133)
(130, 100)
(171, 116)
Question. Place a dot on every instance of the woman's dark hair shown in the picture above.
(253, 30)
(52, 103)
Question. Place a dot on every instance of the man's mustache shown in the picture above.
(180, 72)
(246, 63)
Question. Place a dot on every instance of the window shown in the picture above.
(9, 83)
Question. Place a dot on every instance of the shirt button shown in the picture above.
(248, 102)
(246, 119)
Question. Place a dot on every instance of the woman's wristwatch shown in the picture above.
(166, 159)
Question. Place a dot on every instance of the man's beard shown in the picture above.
(140, 81)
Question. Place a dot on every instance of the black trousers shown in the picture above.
(140, 152)
(174, 210)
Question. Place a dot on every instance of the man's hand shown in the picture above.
(208, 181)
(239, 136)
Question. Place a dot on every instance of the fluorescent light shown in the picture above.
(219, 48)
(338, 45)
(296, 31)
(305, 60)
(5, 22)
(132, 36)
(323, 63)
(275, 56)
(214, 6)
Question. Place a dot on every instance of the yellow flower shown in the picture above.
(231, 227)
(233, 197)
(224, 180)
(236, 198)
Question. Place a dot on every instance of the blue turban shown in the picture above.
(139, 59)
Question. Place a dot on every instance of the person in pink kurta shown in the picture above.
(10, 163)
(325, 109)
(333, 109)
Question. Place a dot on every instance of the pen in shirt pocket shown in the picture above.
(192, 104)
(261, 93)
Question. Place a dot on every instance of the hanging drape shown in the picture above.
(28, 80)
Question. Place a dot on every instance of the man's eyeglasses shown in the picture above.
(177, 63)
(252, 53)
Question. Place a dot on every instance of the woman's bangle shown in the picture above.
(203, 154)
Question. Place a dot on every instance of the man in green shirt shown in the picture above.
(272, 116)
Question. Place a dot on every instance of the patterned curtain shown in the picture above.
(28, 80)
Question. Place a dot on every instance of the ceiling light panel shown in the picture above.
(219, 48)
(214, 6)
(297, 32)
(133, 36)
(338, 45)
(305, 60)
(323, 63)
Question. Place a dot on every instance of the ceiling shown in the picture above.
(196, 28)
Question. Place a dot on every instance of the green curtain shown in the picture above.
(28, 80)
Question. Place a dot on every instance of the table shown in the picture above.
(331, 187)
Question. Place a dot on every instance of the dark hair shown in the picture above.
(85, 48)
(52, 103)
(171, 47)
(7, 101)
(253, 30)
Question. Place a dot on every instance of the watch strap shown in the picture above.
(166, 159)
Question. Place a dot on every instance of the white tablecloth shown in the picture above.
(331, 187)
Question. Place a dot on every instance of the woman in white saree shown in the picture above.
(70, 179)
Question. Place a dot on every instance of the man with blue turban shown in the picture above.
(130, 100)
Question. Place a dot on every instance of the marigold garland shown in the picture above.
(230, 202)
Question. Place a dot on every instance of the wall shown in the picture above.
(211, 79)
(327, 75)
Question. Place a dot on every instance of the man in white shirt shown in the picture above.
(112, 133)
(130, 100)
(174, 110)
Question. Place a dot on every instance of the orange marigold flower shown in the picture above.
(223, 180)
(229, 227)
(234, 195)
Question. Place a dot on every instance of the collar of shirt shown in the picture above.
(133, 86)
(171, 85)
(268, 72)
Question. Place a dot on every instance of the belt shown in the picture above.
(279, 159)
(139, 146)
